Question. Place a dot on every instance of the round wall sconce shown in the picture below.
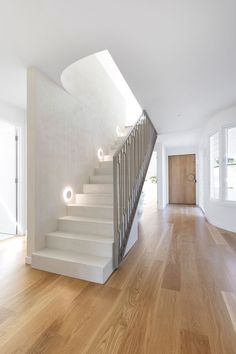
(100, 154)
(67, 194)
(119, 132)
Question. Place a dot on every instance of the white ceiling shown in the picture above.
(178, 56)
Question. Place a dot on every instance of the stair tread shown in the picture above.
(71, 256)
(96, 238)
(101, 176)
(83, 218)
(98, 184)
(102, 206)
(109, 163)
(96, 194)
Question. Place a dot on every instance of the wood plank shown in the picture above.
(230, 302)
(174, 293)
(216, 235)
(171, 278)
(194, 343)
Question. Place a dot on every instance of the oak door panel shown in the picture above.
(182, 179)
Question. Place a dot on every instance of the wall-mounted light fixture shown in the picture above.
(100, 154)
(67, 194)
(118, 132)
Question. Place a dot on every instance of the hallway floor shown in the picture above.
(174, 293)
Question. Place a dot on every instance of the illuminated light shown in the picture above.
(67, 194)
(119, 132)
(100, 155)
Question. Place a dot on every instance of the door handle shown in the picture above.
(191, 177)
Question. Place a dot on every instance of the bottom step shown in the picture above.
(72, 264)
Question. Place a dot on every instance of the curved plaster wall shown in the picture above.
(84, 80)
(219, 213)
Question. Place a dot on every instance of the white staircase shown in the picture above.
(82, 246)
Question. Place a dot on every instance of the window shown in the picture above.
(230, 164)
(214, 166)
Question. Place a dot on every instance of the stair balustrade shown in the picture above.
(130, 165)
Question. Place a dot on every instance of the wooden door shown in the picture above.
(182, 179)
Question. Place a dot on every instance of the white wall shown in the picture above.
(84, 79)
(161, 176)
(182, 150)
(133, 235)
(133, 109)
(152, 168)
(219, 213)
(64, 134)
(17, 117)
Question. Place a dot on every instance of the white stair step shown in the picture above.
(108, 157)
(103, 179)
(75, 224)
(73, 264)
(115, 146)
(128, 128)
(98, 188)
(96, 199)
(103, 171)
(92, 211)
(107, 164)
(90, 244)
(112, 152)
(119, 139)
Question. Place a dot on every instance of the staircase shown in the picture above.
(91, 241)
(82, 246)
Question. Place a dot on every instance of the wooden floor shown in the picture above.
(174, 293)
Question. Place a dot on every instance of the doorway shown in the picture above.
(182, 179)
(8, 179)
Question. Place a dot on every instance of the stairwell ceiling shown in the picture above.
(178, 56)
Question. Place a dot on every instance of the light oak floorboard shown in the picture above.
(175, 293)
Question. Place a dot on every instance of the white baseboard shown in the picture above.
(220, 226)
(203, 211)
(28, 260)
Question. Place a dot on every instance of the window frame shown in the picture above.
(216, 200)
(222, 166)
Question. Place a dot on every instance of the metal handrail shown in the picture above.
(130, 164)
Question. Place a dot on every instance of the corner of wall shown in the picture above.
(30, 161)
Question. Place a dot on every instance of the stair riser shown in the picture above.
(107, 164)
(72, 269)
(86, 227)
(119, 140)
(115, 146)
(103, 171)
(98, 188)
(112, 152)
(82, 246)
(108, 158)
(83, 199)
(92, 212)
(101, 179)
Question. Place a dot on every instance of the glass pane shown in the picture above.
(214, 166)
(231, 164)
